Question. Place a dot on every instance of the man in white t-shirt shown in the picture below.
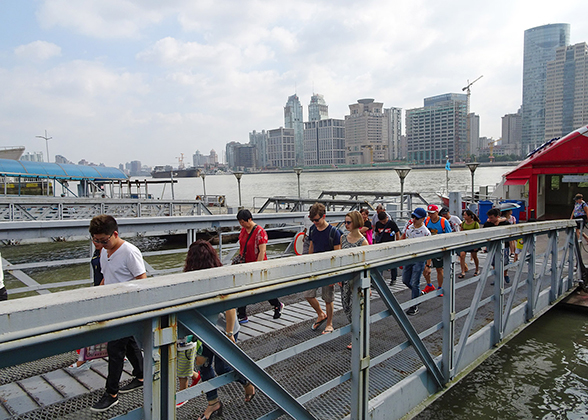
(120, 262)
(454, 221)
(411, 273)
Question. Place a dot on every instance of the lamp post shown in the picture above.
(46, 143)
(473, 166)
(203, 175)
(298, 172)
(238, 175)
(402, 173)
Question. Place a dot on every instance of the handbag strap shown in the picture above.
(245, 247)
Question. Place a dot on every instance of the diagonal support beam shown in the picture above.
(200, 326)
(515, 285)
(406, 327)
(494, 249)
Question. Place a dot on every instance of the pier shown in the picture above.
(396, 363)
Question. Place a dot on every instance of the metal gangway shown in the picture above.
(395, 364)
(64, 208)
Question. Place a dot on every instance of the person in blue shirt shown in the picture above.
(323, 237)
(436, 225)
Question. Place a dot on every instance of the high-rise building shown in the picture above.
(32, 156)
(259, 140)
(512, 132)
(241, 156)
(437, 131)
(566, 91)
(540, 47)
(293, 119)
(135, 167)
(474, 134)
(394, 116)
(318, 108)
(281, 151)
(366, 133)
(324, 142)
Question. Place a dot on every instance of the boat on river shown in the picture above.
(169, 172)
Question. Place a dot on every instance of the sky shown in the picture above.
(119, 80)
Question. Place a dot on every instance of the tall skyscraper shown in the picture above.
(318, 108)
(566, 91)
(394, 116)
(324, 142)
(437, 131)
(366, 133)
(259, 140)
(540, 46)
(293, 119)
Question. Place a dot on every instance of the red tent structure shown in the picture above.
(550, 177)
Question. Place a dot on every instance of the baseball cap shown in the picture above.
(419, 213)
(444, 210)
(432, 208)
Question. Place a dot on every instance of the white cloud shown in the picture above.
(38, 51)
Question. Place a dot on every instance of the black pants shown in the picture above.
(117, 350)
(242, 311)
(3, 294)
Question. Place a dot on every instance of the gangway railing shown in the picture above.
(159, 310)
(57, 208)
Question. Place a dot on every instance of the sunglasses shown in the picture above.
(104, 242)
(348, 222)
(315, 220)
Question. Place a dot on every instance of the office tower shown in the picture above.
(394, 116)
(324, 142)
(512, 133)
(366, 133)
(540, 46)
(281, 151)
(474, 134)
(437, 131)
(135, 168)
(240, 156)
(566, 91)
(259, 140)
(318, 108)
(32, 157)
(293, 119)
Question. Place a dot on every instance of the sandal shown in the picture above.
(215, 413)
(249, 395)
(349, 346)
(318, 323)
(476, 273)
(461, 276)
(328, 330)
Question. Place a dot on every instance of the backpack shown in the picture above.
(443, 220)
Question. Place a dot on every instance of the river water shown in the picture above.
(542, 373)
(256, 187)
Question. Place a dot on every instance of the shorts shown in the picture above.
(581, 221)
(437, 262)
(327, 293)
(186, 362)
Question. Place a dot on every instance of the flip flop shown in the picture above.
(318, 324)
(349, 346)
(328, 330)
(476, 273)
(461, 276)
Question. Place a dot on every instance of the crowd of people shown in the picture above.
(116, 261)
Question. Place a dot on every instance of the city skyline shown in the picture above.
(114, 82)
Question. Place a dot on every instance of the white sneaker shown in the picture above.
(75, 368)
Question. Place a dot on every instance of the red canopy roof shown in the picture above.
(567, 155)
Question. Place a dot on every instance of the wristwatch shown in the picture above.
(229, 334)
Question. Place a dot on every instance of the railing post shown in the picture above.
(139, 209)
(159, 393)
(555, 282)
(498, 291)
(530, 276)
(571, 238)
(448, 357)
(360, 335)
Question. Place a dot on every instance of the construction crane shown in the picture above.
(181, 161)
(491, 144)
(468, 127)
